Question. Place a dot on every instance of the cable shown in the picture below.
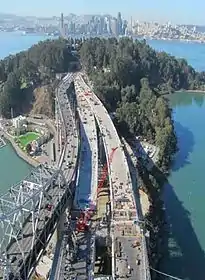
(165, 274)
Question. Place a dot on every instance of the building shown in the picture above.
(119, 23)
(114, 27)
(19, 122)
(62, 31)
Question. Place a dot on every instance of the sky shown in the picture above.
(175, 11)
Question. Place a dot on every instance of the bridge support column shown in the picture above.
(61, 226)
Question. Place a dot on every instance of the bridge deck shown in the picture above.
(25, 243)
(88, 170)
(122, 199)
(74, 260)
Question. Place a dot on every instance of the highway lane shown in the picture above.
(76, 264)
(122, 198)
(55, 192)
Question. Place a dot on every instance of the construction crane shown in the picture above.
(105, 170)
(83, 221)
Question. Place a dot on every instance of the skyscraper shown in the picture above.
(114, 26)
(62, 25)
(119, 23)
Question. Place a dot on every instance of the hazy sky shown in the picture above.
(176, 11)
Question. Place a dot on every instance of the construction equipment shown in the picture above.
(83, 221)
(105, 170)
(102, 179)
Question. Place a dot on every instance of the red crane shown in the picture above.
(82, 223)
(105, 170)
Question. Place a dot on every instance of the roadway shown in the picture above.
(123, 205)
(88, 170)
(20, 249)
(75, 262)
(70, 133)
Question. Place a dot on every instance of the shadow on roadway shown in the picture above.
(186, 259)
(83, 188)
(186, 143)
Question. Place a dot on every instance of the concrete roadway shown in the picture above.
(122, 199)
(76, 264)
(68, 166)
(88, 177)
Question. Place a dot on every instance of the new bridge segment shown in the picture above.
(126, 260)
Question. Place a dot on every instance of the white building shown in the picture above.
(19, 121)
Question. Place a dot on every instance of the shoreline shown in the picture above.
(19, 152)
(190, 91)
(2, 142)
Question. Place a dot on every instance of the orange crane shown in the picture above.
(82, 223)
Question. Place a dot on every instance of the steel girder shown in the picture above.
(22, 202)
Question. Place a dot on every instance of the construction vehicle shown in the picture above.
(87, 93)
(83, 221)
(49, 207)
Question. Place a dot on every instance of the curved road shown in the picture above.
(126, 262)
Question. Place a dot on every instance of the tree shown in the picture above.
(21, 73)
(132, 84)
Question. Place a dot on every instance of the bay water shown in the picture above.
(185, 194)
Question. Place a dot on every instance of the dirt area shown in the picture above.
(43, 102)
(103, 198)
(144, 202)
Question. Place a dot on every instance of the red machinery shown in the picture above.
(105, 170)
(87, 93)
(83, 221)
(49, 207)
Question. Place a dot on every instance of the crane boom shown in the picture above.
(82, 223)
(105, 170)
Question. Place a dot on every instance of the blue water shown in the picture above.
(13, 42)
(192, 51)
(184, 195)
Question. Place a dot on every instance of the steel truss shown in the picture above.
(25, 222)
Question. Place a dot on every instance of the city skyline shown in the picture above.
(184, 12)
